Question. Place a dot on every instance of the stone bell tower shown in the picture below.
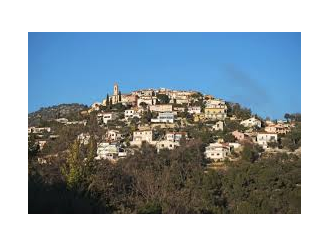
(115, 96)
(115, 89)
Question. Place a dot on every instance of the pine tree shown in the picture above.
(73, 171)
(91, 151)
(119, 96)
(107, 103)
(110, 104)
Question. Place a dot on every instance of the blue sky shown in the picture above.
(261, 71)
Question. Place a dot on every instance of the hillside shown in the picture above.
(58, 111)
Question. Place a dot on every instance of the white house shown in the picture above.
(112, 135)
(217, 151)
(251, 122)
(234, 145)
(141, 136)
(106, 150)
(194, 109)
(131, 113)
(109, 116)
(164, 117)
(175, 136)
(215, 103)
(166, 144)
(161, 108)
(38, 130)
(263, 138)
(178, 109)
(218, 126)
(84, 122)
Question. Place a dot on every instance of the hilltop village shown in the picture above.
(121, 124)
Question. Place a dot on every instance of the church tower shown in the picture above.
(115, 89)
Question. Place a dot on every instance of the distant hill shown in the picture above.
(68, 111)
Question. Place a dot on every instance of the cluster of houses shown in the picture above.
(254, 134)
(114, 145)
(42, 135)
(169, 141)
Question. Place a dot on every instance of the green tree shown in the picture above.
(292, 140)
(251, 152)
(163, 98)
(232, 125)
(270, 185)
(33, 147)
(287, 116)
(91, 151)
(73, 171)
(110, 103)
(119, 96)
(238, 111)
(146, 116)
(107, 103)
(144, 105)
(228, 137)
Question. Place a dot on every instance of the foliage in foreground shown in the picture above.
(167, 182)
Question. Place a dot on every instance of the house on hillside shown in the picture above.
(251, 122)
(277, 128)
(215, 113)
(175, 136)
(263, 138)
(107, 151)
(161, 108)
(215, 103)
(217, 151)
(218, 126)
(164, 117)
(238, 135)
(194, 109)
(141, 136)
(199, 117)
(149, 100)
(166, 144)
(178, 109)
(131, 113)
(108, 116)
(129, 99)
(37, 130)
(113, 135)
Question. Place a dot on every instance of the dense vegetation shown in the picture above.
(169, 182)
